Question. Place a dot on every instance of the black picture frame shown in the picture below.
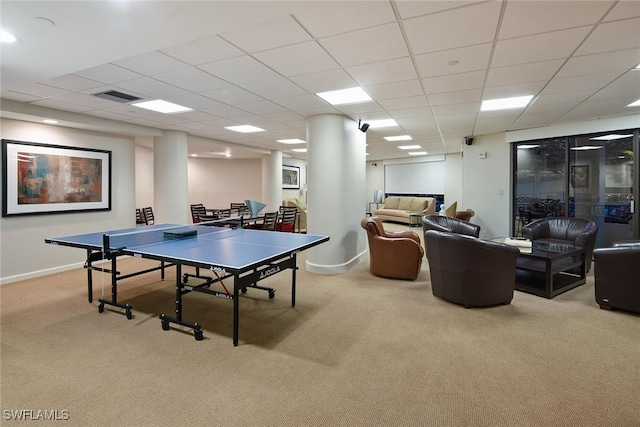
(290, 177)
(43, 179)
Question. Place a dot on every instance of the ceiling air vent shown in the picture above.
(113, 95)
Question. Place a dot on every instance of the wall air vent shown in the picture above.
(113, 95)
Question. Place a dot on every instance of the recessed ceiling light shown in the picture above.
(345, 96)
(409, 147)
(398, 138)
(292, 141)
(587, 147)
(50, 121)
(194, 155)
(162, 106)
(505, 103)
(373, 124)
(299, 150)
(245, 129)
(418, 153)
(634, 104)
(7, 37)
(611, 137)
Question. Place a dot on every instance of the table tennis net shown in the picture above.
(157, 234)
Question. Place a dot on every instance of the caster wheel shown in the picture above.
(165, 326)
(129, 315)
(101, 308)
(185, 279)
(198, 335)
(244, 290)
(272, 294)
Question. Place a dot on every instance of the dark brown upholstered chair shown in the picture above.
(470, 271)
(449, 225)
(617, 276)
(392, 254)
(574, 231)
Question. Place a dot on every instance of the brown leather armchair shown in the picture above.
(393, 254)
(470, 271)
(616, 273)
(574, 231)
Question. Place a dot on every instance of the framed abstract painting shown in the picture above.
(45, 178)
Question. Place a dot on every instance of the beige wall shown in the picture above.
(23, 253)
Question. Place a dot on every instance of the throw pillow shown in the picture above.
(391, 203)
(451, 210)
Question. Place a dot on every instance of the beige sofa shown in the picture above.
(301, 220)
(399, 209)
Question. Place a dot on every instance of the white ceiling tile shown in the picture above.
(309, 58)
(262, 107)
(192, 79)
(197, 102)
(267, 35)
(394, 70)
(240, 70)
(623, 10)
(508, 91)
(232, 95)
(617, 61)
(540, 47)
(151, 63)
(443, 30)
(548, 98)
(405, 102)
(108, 74)
(523, 73)
(226, 112)
(332, 18)
(325, 81)
(459, 97)
(356, 47)
(72, 82)
(411, 9)
(395, 89)
(469, 107)
(39, 90)
(279, 88)
(578, 83)
(17, 96)
(534, 17)
(403, 113)
(88, 101)
(60, 105)
(203, 51)
(470, 58)
(619, 35)
(151, 88)
(454, 82)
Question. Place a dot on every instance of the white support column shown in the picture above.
(336, 192)
(272, 181)
(171, 198)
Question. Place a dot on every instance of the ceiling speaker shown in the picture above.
(468, 140)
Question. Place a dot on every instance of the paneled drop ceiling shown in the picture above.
(426, 64)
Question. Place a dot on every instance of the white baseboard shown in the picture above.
(39, 273)
(334, 269)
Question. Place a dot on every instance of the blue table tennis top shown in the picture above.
(228, 249)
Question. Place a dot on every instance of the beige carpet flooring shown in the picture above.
(357, 350)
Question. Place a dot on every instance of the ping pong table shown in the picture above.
(248, 256)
